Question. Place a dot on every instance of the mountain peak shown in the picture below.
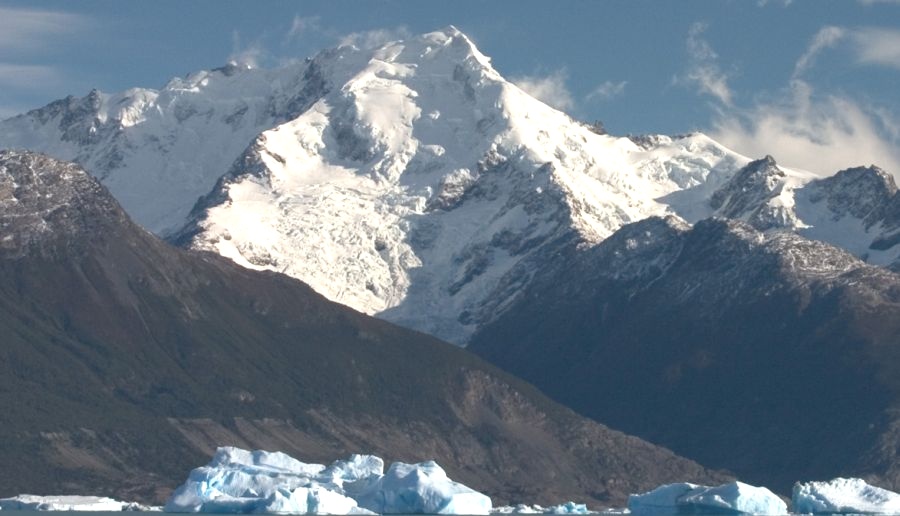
(749, 195)
(871, 178)
(43, 201)
(865, 193)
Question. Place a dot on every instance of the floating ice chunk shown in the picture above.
(518, 509)
(844, 495)
(239, 481)
(27, 502)
(568, 508)
(684, 498)
(421, 488)
(565, 508)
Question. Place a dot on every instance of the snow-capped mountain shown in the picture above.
(429, 190)
(411, 181)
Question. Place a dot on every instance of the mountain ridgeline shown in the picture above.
(767, 354)
(126, 361)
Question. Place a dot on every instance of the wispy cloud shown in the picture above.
(827, 37)
(800, 126)
(607, 90)
(878, 46)
(21, 76)
(302, 26)
(822, 134)
(376, 37)
(25, 31)
(869, 45)
(782, 3)
(29, 38)
(550, 89)
(704, 71)
(871, 2)
(250, 54)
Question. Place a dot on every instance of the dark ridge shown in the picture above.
(772, 356)
(124, 362)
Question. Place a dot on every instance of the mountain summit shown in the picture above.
(427, 189)
(410, 181)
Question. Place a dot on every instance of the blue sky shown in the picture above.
(816, 83)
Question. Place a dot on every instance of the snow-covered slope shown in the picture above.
(159, 151)
(428, 190)
(412, 181)
(857, 209)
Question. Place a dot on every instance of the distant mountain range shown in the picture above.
(741, 312)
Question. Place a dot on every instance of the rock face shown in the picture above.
(126, 361)
(764, 353)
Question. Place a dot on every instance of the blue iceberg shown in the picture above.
(685, 498)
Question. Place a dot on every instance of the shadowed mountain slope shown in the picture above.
(125, 361)
(764, 353)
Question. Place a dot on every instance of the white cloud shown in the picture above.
(784, 3)
(375, 38)
(549, 89)
(703, 68)
(870, 2)
(822, 134)
(607, 90)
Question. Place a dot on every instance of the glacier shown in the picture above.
(686, 498)
(843, 496)
(241, 481)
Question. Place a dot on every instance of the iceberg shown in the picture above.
(28, 502)
(241, 481)
(844, 495)
(685, 498)
(420, 489)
